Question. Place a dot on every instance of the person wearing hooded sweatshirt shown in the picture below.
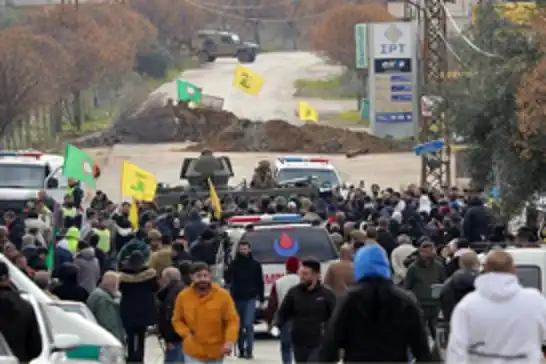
(138, 287)
(128, 249)
(88, 265)
(375, 321)
(195, 227)
(246, 284)
(69, 289)
(500, 322)
(62, 255)
(72, 237)
(476, 222)
(18, 322)
(276, 296)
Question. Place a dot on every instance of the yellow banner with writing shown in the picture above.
(137, 182)
(247, 80)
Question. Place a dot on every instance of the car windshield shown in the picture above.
(21, 176)
(324, 176)
(276, 244)
(529, 276)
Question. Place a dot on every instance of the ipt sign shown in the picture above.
(393, 40)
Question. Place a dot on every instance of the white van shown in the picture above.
(96, 345)
(530, 267)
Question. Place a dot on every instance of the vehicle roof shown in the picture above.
(303, 165)
(23, 160)
(214, 32)
(528, 255)
(24, 283)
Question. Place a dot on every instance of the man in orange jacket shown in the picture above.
(205, 318)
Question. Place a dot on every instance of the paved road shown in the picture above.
(266, 351)
(275, 101)
(165, 161)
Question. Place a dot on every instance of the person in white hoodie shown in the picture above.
(404, 249)
(501, 321)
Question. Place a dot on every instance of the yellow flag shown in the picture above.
(247, 80)
(137, 183)
(133, 214)
(307, 112)
(215, 201)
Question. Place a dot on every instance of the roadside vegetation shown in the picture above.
(67, 71)
(328, 89)
(496, 106)
(333, 38)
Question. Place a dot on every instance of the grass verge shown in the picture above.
(328, 88)
(351, 117)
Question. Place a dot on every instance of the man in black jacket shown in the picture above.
(309, 306)
(375, 321)
(384, 236)
(18, 322)
(173, 285)
(460, 283)
(246, 282)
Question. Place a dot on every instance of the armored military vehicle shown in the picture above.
(211, 44)
(197, 171)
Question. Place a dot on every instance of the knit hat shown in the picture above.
(371, 261)
(292, 264)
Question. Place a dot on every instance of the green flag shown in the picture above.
(79, 165)
(50, 257)
(188, 92)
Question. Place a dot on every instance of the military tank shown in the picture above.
(196, 172)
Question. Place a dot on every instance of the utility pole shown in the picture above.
(435, 167)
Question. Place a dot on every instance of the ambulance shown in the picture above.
(24, 173)
(273, 239)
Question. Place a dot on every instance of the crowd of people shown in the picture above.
(407, 258)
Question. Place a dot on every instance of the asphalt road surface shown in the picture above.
(165, 161)
(265, 351)
(279, 69)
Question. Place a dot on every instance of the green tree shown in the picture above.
(482, 107)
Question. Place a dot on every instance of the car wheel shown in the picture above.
(211, 59)
(243, 57)
(203, 57)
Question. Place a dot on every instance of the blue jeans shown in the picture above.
(286, 343)
(175, 354)
(247, 313)
(191, 360)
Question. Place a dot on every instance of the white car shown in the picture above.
(55, 345)
(24, 174)
(273, 239)
(96, 345)
(289, 168)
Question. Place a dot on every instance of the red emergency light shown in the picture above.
(237, 220)
(319, 160)
(21, 154)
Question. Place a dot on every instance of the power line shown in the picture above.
(263, 20)
(452, 51)
(465, 38)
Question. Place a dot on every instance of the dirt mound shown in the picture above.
(223, 131)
